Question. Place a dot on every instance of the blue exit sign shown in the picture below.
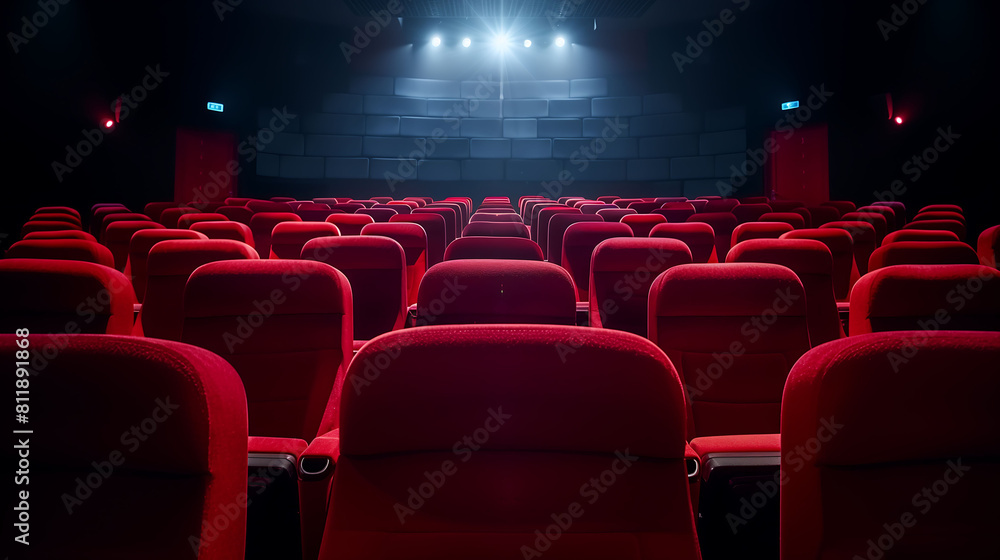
(217, 107)
(789, 105)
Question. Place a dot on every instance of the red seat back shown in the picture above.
(519, 248)
(138, 253)
(557, 230)
(751, 212)
(933, 395)
(118, 237)
(698, 236)
(61, 234)
(225, 230)
(437, 233)
(922, 252)
(723, 224)
(578, 246)
(187, 220)
(62, 249)
(621, 271)
(760, 230)
(863, 237)
(262, 224)
(288, 345)
(413, 240)
(988, 246)
(496, 291)
(841, 246)
(403, 425)
(733, 331)
(642, 224)
(59, 296)
(288, 238)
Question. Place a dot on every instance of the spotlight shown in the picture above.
(560, 42)
(466, 42)
(527, 43)
(500, 41)
(436, 41)
(899, 120)
(109, 123)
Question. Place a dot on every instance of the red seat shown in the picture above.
(350, 224)
(841, 246)
(124, 487)
(376, 267)
(59, 297)
(118, 237)
(609, 199)
(750, 212)
(528, 209)
(56, 217)
(138, 254)
(269, 206)
(378, 214)
(496, 291)
(436, 229)
(99, 212)
(422, 200)
(59, 210)
(62, 249)
(262, 224)
(401, 206)
(413, 240)
(187, 220)
(919, 235)
(495, 229)
(621, 272)
(933, 395)
(451, 220)
(899, 208)
(643, 207)
(624, 203)
(593, 208)
(61, 234)
(558, 224)
(723, 224)
(367, 203)
(956, 227)
(288, 238)
(642, 224)
(760, 230)
(888, 213)
(822, 215)
(926, 297)
(32, 227)
(733, 331)
(923, 216)
(347, 207)
(121, 217)
(877, 221)
(333, 200)
(842, 206)
(578, 244)
(168, 266)
(530, 461)
(699, 205)
(699, 237)
(721, 205)
(155, 209)
(612, 215)
(236, 201)
(942, 208)
(812, 262)
(463, 209)
(988, 246)
(282, 199)
(863, 237)
(288, 345)
(517, 248)
(793, 219)
(239, 214)
(490, 217)
(225, 230)
(782, 206)
(754, 200)
(170, 217)
(922, 252)
(540, 231)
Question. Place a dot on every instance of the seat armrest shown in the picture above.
(320, 457)
(287, 446)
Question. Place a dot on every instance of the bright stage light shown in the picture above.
(560, 42)
(527, 43)
(436, 41)
(500, 41)
(466, 42)
(109, 123)
(899, 120)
